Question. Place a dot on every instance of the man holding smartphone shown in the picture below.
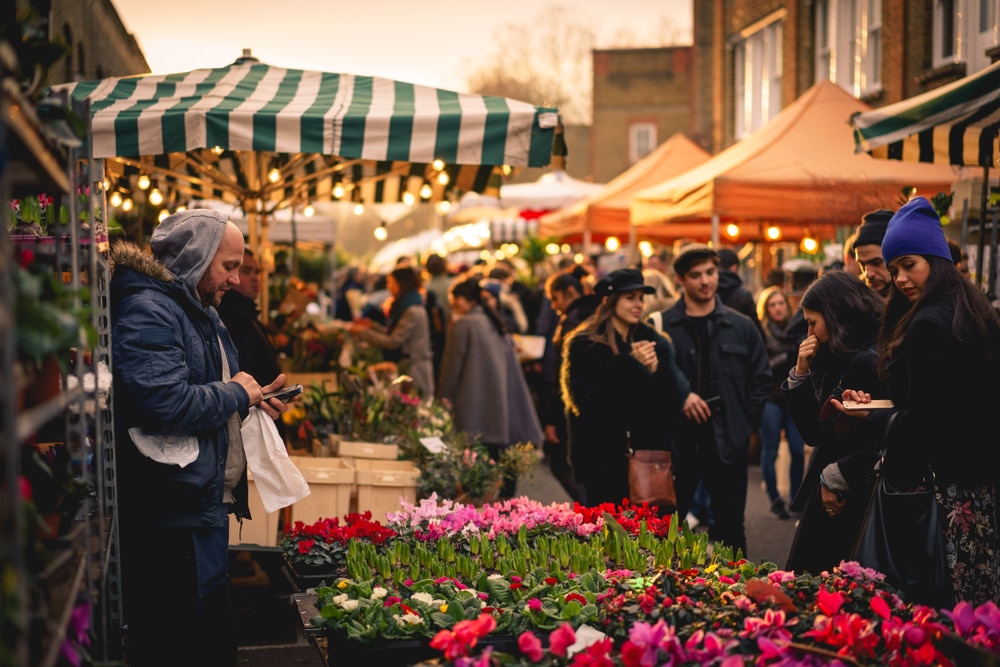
(724, 358)
(180, 467)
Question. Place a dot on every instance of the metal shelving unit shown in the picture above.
(43, 156)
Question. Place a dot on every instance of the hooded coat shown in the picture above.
(168, 380)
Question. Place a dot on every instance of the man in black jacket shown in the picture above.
(239, 312)
(724, 358)
(731, 289)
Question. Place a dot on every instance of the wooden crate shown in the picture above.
(382, 483)
(331, 481)
(262, 529)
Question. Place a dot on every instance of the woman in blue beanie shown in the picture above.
(939, 351)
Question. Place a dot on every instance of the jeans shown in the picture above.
(775, 419)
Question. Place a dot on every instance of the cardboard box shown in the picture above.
(350, 449)
(331, 481)
(262, 529)
(382, 483)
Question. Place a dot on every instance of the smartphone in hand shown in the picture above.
(286, 393)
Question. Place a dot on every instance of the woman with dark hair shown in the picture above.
(406, 330)
(843, 316)
(481, 378)
(939, 351)
(620, 386)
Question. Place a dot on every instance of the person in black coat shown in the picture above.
(621, 388)
(939, 351)
(843, 316)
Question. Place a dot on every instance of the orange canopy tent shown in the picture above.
(799, 172)
(606, 213)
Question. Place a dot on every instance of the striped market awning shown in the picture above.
(253, 131)
(955, 124)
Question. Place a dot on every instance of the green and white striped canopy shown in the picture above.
(319, 130)
(955, 124)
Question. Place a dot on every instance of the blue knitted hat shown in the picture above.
(915, 229)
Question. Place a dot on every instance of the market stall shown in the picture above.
(799, 172)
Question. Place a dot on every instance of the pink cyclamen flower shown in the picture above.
(561, 639)
(530, 646)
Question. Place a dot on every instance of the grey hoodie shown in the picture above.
(186, 243)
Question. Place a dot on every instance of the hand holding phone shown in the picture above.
(285, 394)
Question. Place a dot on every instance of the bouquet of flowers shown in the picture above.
(464, 470)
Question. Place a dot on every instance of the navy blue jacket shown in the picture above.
(167, 380)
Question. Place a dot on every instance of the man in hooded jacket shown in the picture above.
(180, 466)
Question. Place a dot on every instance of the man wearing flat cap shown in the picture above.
(181, 469)
(868, 250)
(724, 358)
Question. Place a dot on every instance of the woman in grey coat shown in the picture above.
(408, 330)
(486, 391)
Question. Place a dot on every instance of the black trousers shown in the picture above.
(171, 618)
(726, 482)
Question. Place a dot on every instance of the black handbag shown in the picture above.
(901, 536)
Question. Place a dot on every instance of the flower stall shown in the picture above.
(518, 583)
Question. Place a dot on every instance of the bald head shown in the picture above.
(222, 272)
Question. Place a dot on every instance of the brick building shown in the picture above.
(99, 44)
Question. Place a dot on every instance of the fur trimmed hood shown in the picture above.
(129, 255)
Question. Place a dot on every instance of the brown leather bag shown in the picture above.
(651, 478)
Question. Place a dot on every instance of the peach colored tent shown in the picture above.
(605, 213)
(799, 172)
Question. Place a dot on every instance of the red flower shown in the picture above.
(305, 546)
(561, 639)
(576, 596)
(530, 646)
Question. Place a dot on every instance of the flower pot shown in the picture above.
(490, 495)
(344, 651)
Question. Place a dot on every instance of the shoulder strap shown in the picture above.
(656, 320)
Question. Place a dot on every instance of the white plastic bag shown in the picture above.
(278, 480)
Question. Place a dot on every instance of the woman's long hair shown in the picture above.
(470, 290)
(851, 309)
(975, 319)
(599, 327)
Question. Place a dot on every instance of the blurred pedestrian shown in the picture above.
(843, 316)
(731, 289)
(939, 350)
(781, 341)
(851, 265)
(406, 330)
(621, 388)
(481, 379)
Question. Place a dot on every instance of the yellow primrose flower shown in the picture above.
(342, 585)
(443, 608)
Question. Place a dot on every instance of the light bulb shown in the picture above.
(443, 178)
(127, 204)
(732, 230)
(381, 233)
(438, 164)
(115, 199)
(773, 233)
(143, 182)
(359, 209)
(408, 198)
(646, 248)
(552, 248)
(338, 191)
(425, 191)
(218, 150)
(274, 175)
(155, 197)
(612, 243)
(564, 248)
(443, 207)
(163, 214)
(308, 211)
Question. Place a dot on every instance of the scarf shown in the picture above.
(401, 303)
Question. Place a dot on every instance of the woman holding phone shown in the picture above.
(939, 351)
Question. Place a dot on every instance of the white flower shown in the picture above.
(438, 603)
(494, 577)
(349, 605)
(425, 598)
(339, 599)
(378, 593)
(408, 619)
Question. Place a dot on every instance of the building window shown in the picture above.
(964, 31)
(641, 141)
(757, 78)
(849, 44)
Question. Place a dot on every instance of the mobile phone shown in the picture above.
(285, 394)
(714, 404)
(874, 404)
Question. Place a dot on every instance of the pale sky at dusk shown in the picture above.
(430, 43)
